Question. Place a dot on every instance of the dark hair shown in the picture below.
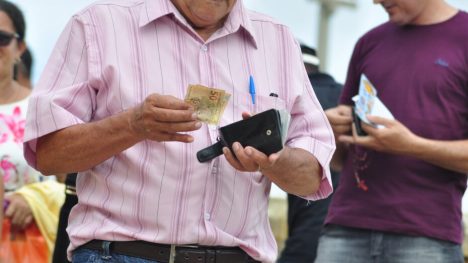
(308, 50)
(27, 62)
(16, 17)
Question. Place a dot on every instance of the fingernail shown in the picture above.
(198, 124)
(194, 116)
(225, 150)
(236, 146)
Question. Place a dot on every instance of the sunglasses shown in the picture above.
(6, 38)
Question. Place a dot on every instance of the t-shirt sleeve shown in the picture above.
(65, 94)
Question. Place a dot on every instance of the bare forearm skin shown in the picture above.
(80, 147)
(452, 155)
(307, 175)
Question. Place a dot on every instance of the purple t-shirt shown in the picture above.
(421, 75)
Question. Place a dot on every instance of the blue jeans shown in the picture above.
(342, 244)
(82, 255)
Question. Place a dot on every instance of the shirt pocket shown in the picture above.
(243, 102)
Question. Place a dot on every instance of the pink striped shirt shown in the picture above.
(110, 57)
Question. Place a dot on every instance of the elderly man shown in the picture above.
(400, 192)
(110, 105)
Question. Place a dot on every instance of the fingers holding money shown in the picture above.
(167, 102)
(164, 118)
(209, 103)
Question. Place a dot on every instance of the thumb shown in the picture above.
(380, 120)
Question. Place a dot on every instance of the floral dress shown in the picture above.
(14, 168)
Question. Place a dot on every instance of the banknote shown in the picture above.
(223, 103)
(209, 103)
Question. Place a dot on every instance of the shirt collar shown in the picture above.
(153, 10)
(238, 19)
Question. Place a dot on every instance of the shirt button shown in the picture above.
(204, 48)
(207, 216)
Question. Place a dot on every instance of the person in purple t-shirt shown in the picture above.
(401, 186)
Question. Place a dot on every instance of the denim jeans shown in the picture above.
(82, 255)
(342, 244)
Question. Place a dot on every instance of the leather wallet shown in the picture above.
(262, 131)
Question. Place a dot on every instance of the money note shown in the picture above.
(223, 103)
(209, 103)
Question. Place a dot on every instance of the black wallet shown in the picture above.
(262, 131)
(358, 123)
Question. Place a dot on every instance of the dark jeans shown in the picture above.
(343, 244)
(82, 255)
(305, 223)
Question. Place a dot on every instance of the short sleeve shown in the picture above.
(66, 92)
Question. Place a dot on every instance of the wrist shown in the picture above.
(132, 116)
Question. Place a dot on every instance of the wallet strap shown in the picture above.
(210, 152)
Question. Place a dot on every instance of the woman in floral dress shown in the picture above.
(13, 106)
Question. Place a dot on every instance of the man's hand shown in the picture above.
(340, 119)
(394, 138)
(18, 211)
(164, 118)
(248, 159)
(294, 170)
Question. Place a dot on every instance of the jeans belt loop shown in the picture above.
(172, 254)
(106, 250)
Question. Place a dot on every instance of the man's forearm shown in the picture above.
(297, 172)
(83, 146)
(452, 155)
(339, 156)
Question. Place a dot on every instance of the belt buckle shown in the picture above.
(172, 254)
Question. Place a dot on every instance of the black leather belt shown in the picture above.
(183, 254)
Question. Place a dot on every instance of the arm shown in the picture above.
(340, 119)
(158, 118)
(18, 211)
(294, 170)
(397, 139)
(339, 156)
(452, 155)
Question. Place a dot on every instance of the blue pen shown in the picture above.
(252, 89)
